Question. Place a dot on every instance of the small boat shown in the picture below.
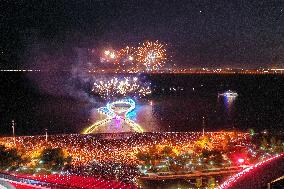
(228, 93)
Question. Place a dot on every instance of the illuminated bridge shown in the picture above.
(267, 174)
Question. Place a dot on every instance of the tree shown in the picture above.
(181, 161)
(9, 157)
(264, 143)
(251, 132)
(226, 142)
(279, 147)
(198, 183)
(216, 157)
(167, 151)
(154, 154)
(52, 158)
(203, 143)
(211, 182)
(144, 156)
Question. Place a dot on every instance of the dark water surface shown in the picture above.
(178, 103)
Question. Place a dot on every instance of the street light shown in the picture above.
(13, 128)
(45, 135)
(203, 125)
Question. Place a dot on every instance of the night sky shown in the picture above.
(235, 33)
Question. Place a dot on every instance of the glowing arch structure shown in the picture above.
(239, 180)
(127, 104)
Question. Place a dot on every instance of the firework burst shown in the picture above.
(152, 55)
(127, 54)
(120, 88)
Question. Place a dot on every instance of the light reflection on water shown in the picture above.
(258, 106)
(175, 113)
(229, 102)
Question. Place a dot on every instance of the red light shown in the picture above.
(241, 160)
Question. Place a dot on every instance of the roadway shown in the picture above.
(189, 175)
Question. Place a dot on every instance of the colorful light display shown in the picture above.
(152, 55)
(116, 87)
(127, 105)
(127, 55)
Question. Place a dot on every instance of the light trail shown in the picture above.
(93, 127)
(24, 70)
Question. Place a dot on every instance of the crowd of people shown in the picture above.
(115, 155)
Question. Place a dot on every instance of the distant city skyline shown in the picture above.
(247, 34)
